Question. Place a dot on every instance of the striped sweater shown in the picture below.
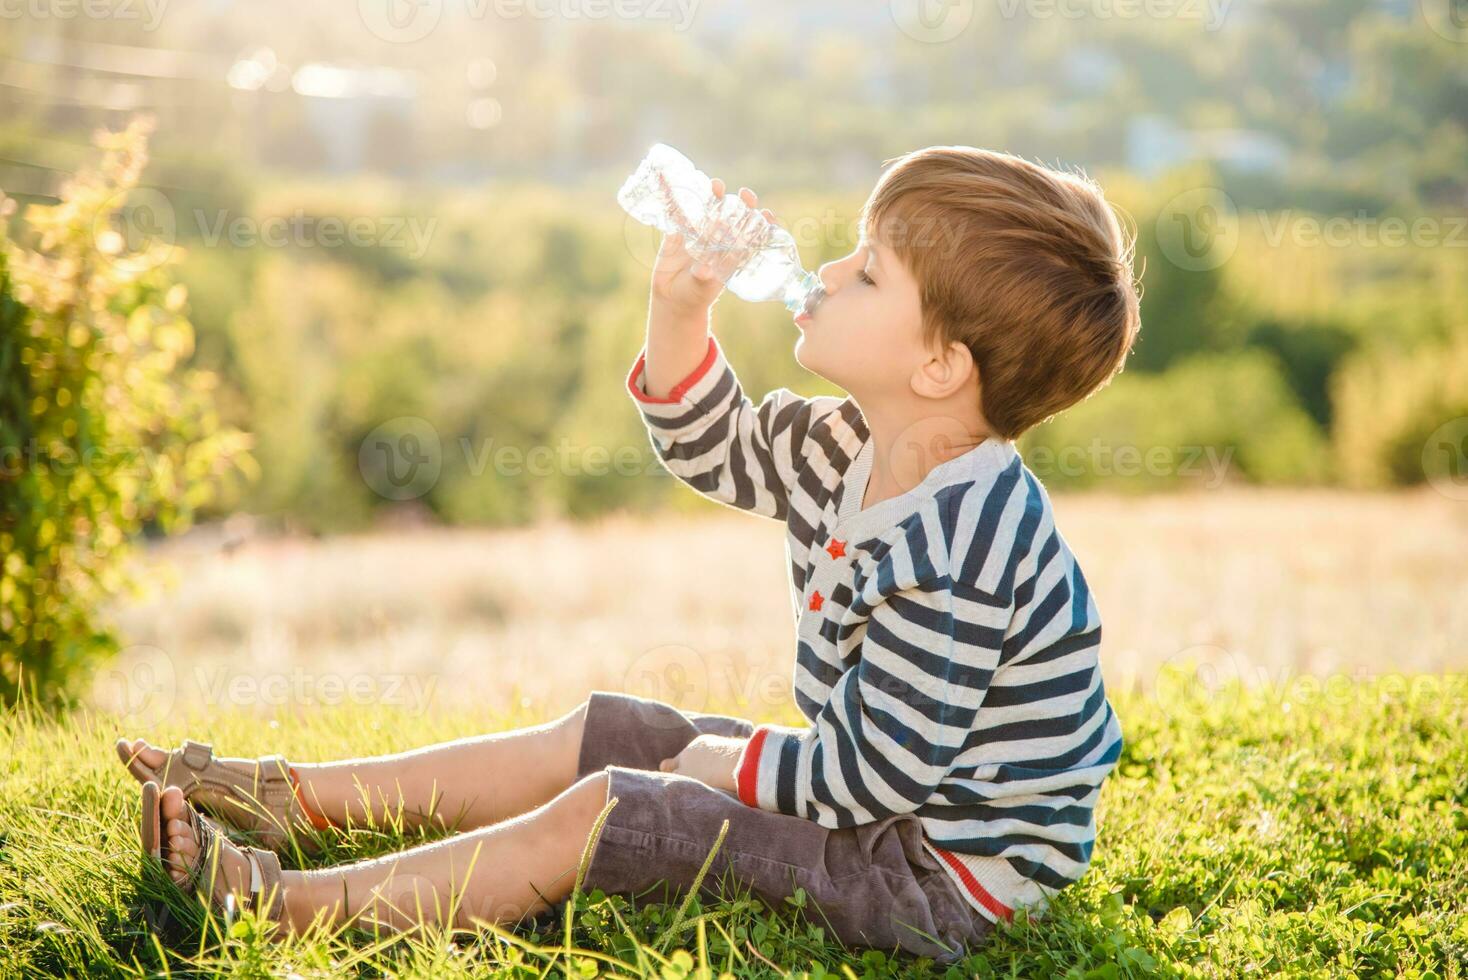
(946, 655)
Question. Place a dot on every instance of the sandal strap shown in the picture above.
(266, 788)
(195, 755)
(267, 898)
(206, 844)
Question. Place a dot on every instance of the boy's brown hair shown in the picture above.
(1027, 266)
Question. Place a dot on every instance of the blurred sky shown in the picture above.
(1277, 93)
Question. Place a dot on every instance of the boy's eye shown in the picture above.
(862, 275)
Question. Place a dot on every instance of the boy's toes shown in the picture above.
(171, 804)
(181, 856)
(141, 759)
(182, 850)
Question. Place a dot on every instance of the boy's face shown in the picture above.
(866, 335)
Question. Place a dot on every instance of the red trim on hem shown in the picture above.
(681, 388)
(975, 889)
(747, 779)
(317, 820)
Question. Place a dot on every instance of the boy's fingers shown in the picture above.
(668, 765)
(718, 186)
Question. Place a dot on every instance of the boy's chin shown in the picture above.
(808, 358)
(813, 362)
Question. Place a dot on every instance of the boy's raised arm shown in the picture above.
(704, 428)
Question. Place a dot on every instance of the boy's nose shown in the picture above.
(826, 274)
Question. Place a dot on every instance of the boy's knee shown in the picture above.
(580, 805)
(570, 728)
(576, 721)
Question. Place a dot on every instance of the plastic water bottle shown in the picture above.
(668, 192)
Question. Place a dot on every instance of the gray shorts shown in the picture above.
(872, 885)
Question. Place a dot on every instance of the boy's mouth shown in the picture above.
(813, 300)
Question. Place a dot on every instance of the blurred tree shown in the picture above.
(1308, 354)
(103, 430)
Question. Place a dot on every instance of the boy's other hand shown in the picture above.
(710, 759)
(683, 288)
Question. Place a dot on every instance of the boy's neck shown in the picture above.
(909, 442)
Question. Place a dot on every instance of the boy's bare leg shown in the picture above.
(498, 874)
(472, 782)
(502, 873)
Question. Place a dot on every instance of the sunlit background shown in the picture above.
(405, 265)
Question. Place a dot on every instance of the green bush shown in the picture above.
(1207, 420)
(104, 431)
(1403, 416)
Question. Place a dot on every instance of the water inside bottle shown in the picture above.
(726, 232)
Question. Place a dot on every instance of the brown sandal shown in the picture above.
(264, 790)
(266, 897)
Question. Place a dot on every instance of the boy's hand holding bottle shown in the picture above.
(684, 288)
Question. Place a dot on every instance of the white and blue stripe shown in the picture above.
(947, 643)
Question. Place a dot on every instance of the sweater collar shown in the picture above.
(990, 457)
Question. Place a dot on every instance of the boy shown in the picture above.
(946, 662)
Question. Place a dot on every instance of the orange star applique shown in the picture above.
(836, 549)
(816, 600)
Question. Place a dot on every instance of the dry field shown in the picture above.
(1274, 587)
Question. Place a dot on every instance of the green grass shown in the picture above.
(1323, 835)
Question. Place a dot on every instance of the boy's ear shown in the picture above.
(947, 370)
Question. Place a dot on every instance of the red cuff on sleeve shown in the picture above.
(681, 388)
(747, 779)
